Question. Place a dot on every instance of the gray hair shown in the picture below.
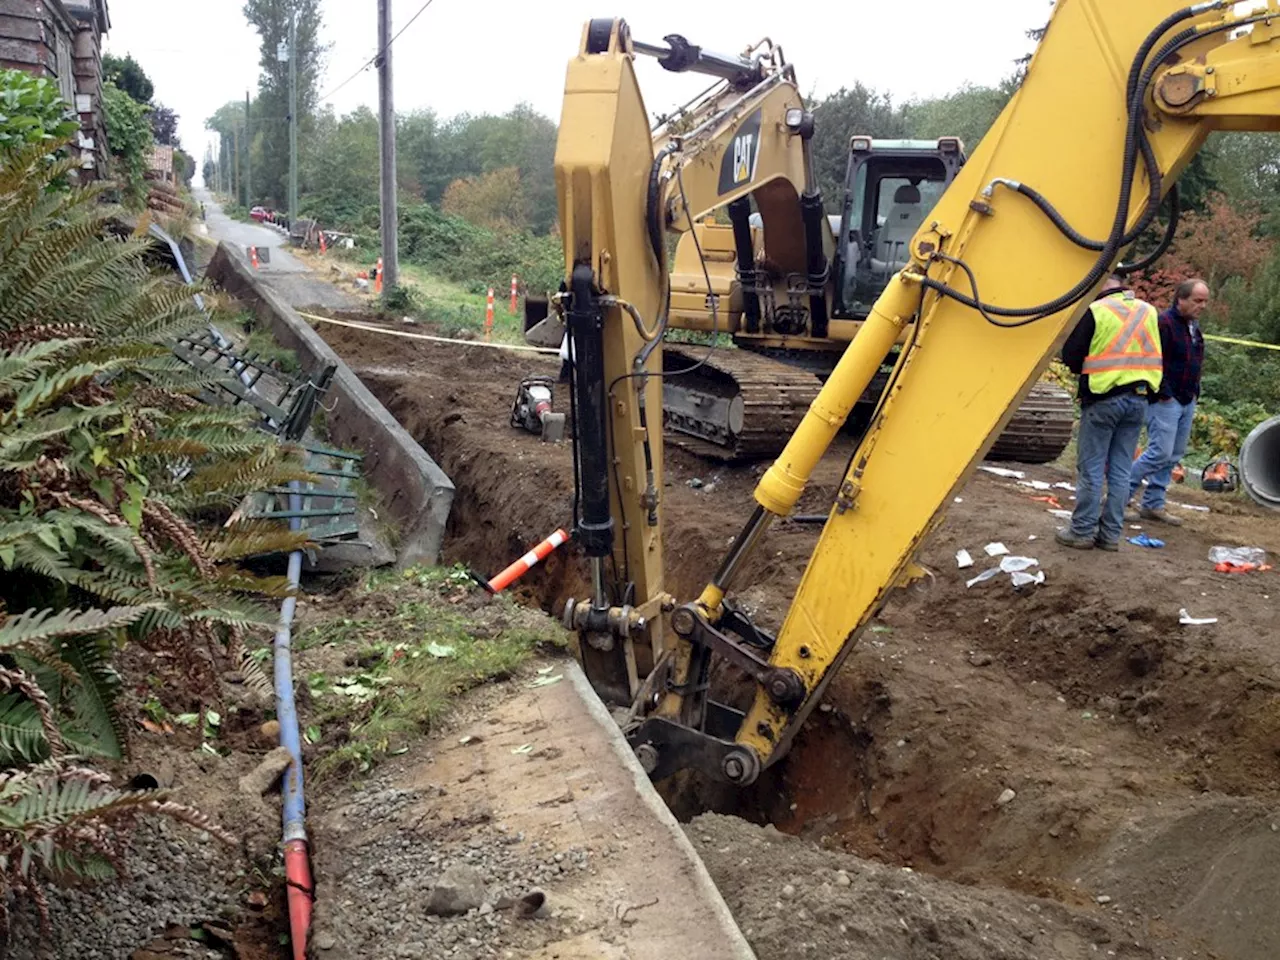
(1186, 288)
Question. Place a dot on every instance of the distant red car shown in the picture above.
(260, 214)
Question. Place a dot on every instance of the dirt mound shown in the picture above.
(1085, 696)
(794, 900)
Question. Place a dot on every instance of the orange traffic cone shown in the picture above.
(253, 257)
(488, 316)
(377, 284)
(324, 246)
(514, 293)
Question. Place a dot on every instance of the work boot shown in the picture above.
(1111, 546)
(1160, 515)
(1131, 515)
(1069, 539)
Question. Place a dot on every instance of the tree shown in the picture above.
(495, 200)
(127, 74)
(968, 114)
(271, 110)
(860, 110)
(340, 164)
(164, 125)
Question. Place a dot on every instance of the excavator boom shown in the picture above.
(1117, 100)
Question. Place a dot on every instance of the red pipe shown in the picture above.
(297, 872)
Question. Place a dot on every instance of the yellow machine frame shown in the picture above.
(961, 375)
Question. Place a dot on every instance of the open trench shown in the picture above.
(1142, 756)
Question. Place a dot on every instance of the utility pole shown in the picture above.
(293, 118)
(248, 153)
(387, 128)
(235, 170)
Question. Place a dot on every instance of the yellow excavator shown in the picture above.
(790, 293)
(1116, 101)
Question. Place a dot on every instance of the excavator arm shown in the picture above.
(1117, 100)
(622, 191)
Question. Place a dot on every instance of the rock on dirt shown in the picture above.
(459, 889)
(850, 909)
(264, 776)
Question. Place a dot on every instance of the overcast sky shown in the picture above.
(482, 56)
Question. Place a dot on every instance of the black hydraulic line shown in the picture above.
(653, 204)
(812, 213)
(740, 217)
(1170, 231)
(1135, 139)
(586, 335)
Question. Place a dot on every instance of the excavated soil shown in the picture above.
(1143, 756)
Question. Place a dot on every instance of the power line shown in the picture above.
(378, 56)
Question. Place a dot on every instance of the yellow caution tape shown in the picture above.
(518, 348)
(1243, 343)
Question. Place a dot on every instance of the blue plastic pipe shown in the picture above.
(296, 858)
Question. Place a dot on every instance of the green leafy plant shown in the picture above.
(130, 138)
(116, 488)
(32, 111)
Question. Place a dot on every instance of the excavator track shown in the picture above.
(740, 405)
(1040, 429)
(735, 405)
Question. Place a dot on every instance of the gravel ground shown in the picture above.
(176, 878)
(795, 901)
(381, 868)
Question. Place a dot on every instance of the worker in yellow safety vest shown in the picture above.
(1115, 350)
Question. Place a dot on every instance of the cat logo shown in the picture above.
(739, 164)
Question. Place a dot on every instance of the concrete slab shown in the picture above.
(547, 768)
(414, 489)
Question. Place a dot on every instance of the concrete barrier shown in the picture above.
(413, 488)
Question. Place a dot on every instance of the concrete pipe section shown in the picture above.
(1260, 463)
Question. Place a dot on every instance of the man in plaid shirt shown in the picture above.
(1169, 419)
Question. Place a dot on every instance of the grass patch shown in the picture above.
(418, 640)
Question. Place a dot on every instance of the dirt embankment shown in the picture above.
(1134, 746)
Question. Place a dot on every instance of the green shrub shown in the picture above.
(130, 138)
(114, 488)
(32, 112)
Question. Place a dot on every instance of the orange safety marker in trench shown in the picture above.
(324, 246)
(488, 316)
(377, 283)
(515, 292)
(526, 563)
(253, 257)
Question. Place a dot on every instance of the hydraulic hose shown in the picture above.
(1170, 231)
(1135, 140)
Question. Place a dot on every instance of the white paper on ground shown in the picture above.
(963, 559)
(1026, 579)
(1061, 514)
(1189, 506)
(1002, 472)
(984, 576)
(1035, 484)
(1065, 486)
(996, 549)
(1018, 564)
(1188, 620)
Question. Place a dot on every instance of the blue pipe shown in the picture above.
(286, 709)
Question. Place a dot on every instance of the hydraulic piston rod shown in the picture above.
(680, 56)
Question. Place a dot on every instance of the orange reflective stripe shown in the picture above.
(1120, 354)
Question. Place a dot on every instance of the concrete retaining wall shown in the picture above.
(414, 489)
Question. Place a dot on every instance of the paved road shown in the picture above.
(282, 271)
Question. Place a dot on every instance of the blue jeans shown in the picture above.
(1168, 433)
(1109, 432)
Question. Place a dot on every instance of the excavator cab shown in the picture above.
(890, 187)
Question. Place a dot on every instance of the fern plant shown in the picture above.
(116, 492)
